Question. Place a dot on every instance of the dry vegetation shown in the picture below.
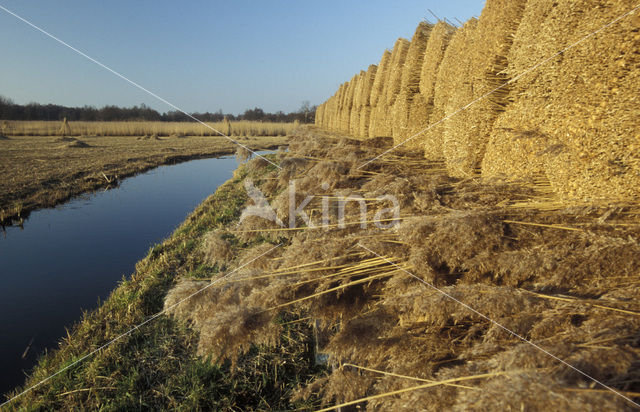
(235, 128)
(563, 277)
(44, 171)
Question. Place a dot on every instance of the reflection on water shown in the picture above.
(66, 259)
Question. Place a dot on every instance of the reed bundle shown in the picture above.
(364, 99)
(565, 134)
(409, 91)
(467, 132)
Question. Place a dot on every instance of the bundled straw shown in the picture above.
(364, 98)
(579, 126)
(467, 132)
(410, 85)
(421, 111)
(378, 93)
(381, 117)
(454, 81)
(354, 118)
(450, 81)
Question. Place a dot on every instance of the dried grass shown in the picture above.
(573, 292)
(216, 250)
(74, 144)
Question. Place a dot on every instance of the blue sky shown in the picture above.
(201, 55)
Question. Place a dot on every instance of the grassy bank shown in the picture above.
(156, 366)
(41, 172)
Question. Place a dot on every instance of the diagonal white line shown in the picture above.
(535, 66)
(132, 82)
(135, 328)
(502, 327)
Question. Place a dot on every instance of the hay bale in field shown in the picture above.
(335, 105)
(347, 105)
(410, 78)
(573, 118)
(376, 99)
(467, 132)
(447, 81)
(410, 82)
(319, 120)
(455, 74)
(340, 106)
(378, 124)
(437, 44)
(367, 85)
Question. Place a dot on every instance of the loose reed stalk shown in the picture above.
(413, 388)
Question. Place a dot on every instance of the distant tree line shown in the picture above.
(35, 111)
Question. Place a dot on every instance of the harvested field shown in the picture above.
(44, 171)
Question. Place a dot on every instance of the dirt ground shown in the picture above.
(38, 172)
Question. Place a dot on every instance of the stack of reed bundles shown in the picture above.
(331, 109)
(319, 113)
(354, 119)
(449, 80)
(341, 103)
(364, 98)
(467, 132)
(420, 112)
(455, 81)
(410, 86)
(381, 115)
(377, 92)
(573, 118)
(398, 59)
(348, 102)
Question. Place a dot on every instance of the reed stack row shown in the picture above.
(534, 91)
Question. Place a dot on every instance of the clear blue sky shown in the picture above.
(202, 55)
